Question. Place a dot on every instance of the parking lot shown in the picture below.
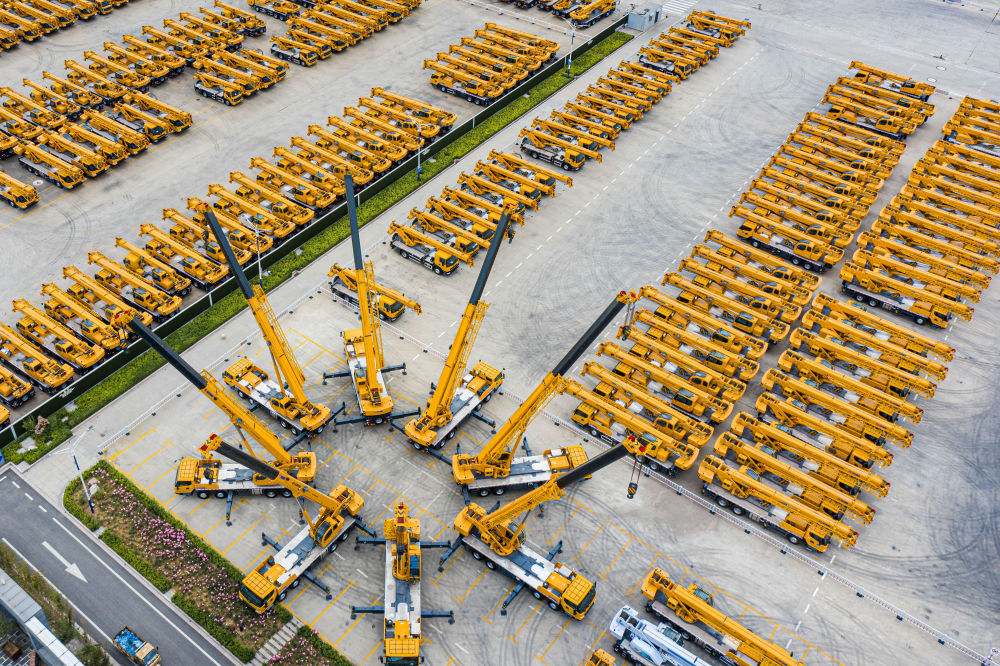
(931, 548)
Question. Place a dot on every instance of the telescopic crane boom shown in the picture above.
(293, 405)
(495, 467)
(457, 394)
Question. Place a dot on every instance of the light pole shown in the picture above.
(83, 484)
(572, 38)
(420, 147)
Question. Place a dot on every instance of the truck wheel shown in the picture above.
(796, 261)
(859, 298)
(872, 302)
(484, 493)
(566, 167)
(490, 564)
(295, 583)
(794, 540)
(203, 494)
(281, 597)
(221, 494)
(807, 265)
(499, 491)
(437, 270)
(594, 433)
(536, 594)
(738, 510)
(554, 606)
(286, 493)
(919, 321)
(721, 501)
(754, 243)
(271, 494)
(476, 555)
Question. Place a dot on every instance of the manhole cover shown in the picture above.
(942, 67)
(38, 183)
(932, 79)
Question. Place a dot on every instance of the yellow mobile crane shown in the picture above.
(140, 64)
(863, 367)
(134, 290)
(43, 22)
(187, 233)
(56, 338)
(735, 250)
(402, 610)
(14, 391)
(73, 91)
(174, 63)
(176, 43)
(284, 398)
(885, 292)
(132, 141)
(30, 110)
(426, 250)
(962, 255)
(363, 346)
(945, 287)
(27, 29)
(332, 161)
(382, 127)
(109, 91)
(245, 240)
(16, 193)
(494, 468)
(461, 236)
(892, 81)
(812, 492)
(46, 164)
(92, 164)
(80, 318)
(301, 191)
(237, 206)
(271, 201)
(936, 265)
(142, 263)
(742, 491)
(391, 303)
(53, 101)
(495, 537)
(102, 300)
(108, 149)
(742, 317)
(457, 394)
(775, 440)
(47, 375)
(417, 109)
(172, 250)
(328, 181)
(292, 50)
(206, 476)
(176, 119)
(725, 265)
(691, 611)
(270, 581)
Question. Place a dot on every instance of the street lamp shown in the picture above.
(572, 38)
(420, 146)
(83, 484)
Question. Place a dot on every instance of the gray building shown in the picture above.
(18, 605)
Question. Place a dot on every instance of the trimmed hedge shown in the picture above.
(229, 306)
(221, 634)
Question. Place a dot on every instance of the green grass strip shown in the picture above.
(62, 421)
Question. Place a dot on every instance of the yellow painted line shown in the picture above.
(649, 569)
(605, 574)
(530, 615)
(166, 443)
(172, 498)
(497, 605)
(240, 537)
(561, 630)
(377, 646)
(203, 536)
(453, 560)
(592, 537)
(304, 588)
(562, 527)
(451, 660)
(157, 479)
(132, 444)
(201, 504)
(306, 364)
(353, 624)
(350, 584)
(461, 599)
(595, 647)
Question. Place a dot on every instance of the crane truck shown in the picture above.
(45, 164)
(16, 193)
(864, 367)
(246, 240)
(459, 394)
(249, 212)
(691, 612)
(27, 29)
(134, 142)
(284, 397)
(885, 292)
(646, 644)
(86, 160)
(721, 264)
(494, 537)
(295, 51)
(798, 247)
(14, 391)
(332, 161)
(402, 610)
(56, 339)
(174, 63)
(742, 491)
(78, 315)
(821, 374)
(382, 126)
(300, 191)
(53, 101)
(950, 268)
(46, 21)
(735, 250)
(136, 291)
(757, 300)
(812, 492)
(47, 375)
(156, 72)
(965, 256)
(363, 346)
(677, 315)
(329, 181)
(426, 250)
(424, 113)
(494, 468)
(885, 79)
(108, 90)
(231, 40)
(207, 476)
(106, 148)
(192, 234)
(888, 264)
(776, 440)
(73, 91)
(350, 151)
(270, 581)
(461, 236)
(555, 150)
(142, 263)
(175, 119)
(391, 303)
(175, 42)
(271, 201)
(117, 72)
(195, 268)
(279, 9)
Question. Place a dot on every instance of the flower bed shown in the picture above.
(163, 550)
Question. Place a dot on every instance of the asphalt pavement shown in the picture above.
(106, 593)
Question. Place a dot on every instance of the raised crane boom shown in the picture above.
(289, 373)
(439, 411)
(238, 415)
(494, 460)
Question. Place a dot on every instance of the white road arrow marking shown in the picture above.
(71, 569)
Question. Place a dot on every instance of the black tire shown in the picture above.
(754, 243)
(722, 501)
(796, 261)
(807, 265)
(286, 493)
(221, 494)
(499, 491)
(737, 510)
(872, 303)
(919, 321)
(490, 564)
(203, 494)
(532, 153)
(437, 270)
(484, 493)
(536, 594)
(270, 493)
(593, 432)
(295, 583)
(451, 434)
(859, 298)
(794, 540)
(281, 597)
(566, 166)
(476, 555)
(554, 606)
